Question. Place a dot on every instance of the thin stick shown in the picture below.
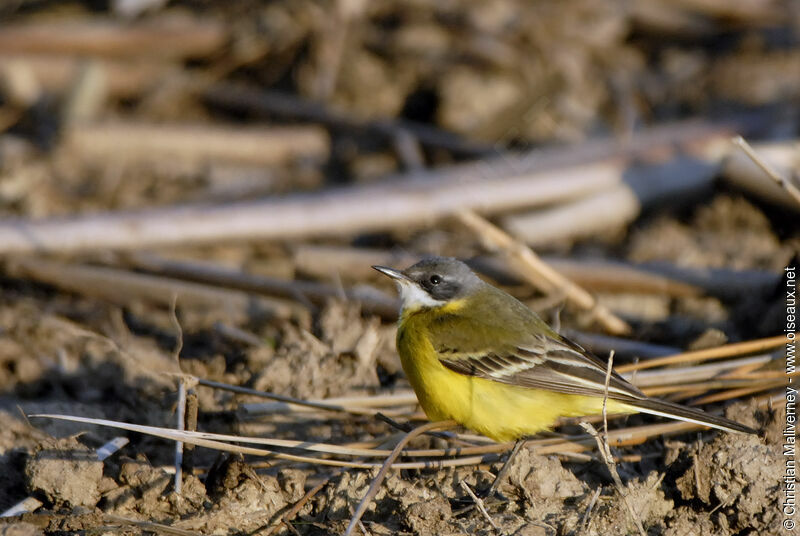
(605, 454)
(538, 273)
(179, 444)
(586, 515)
(767, 169)
(181, 409)
(609, 368)
(479, 503)
(503, 470)
(378, 480)
(287, 399)
(728, 350)
(400, 398)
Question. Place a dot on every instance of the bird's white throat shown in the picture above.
(416, 298)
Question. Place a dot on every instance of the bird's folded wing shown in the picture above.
(537, 362)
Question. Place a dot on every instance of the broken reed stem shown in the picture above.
(688, 390)
(790, 188)
(719, 352)
(735, 393)
(192, 407)
(378, 480)
(538, 273)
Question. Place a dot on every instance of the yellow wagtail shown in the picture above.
(478, 356)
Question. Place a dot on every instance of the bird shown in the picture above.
(476, 355)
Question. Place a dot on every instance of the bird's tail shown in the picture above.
(684, 413)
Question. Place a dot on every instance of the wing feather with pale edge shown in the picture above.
(543, 362)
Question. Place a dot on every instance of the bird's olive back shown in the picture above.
(443, 278)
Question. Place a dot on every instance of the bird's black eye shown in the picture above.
(435, 279)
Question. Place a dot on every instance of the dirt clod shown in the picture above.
(66, 473)
(433, 517)
(543, 477)
(739, 474)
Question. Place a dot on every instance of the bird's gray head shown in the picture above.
(433, 282)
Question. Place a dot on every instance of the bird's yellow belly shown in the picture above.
(500, 411)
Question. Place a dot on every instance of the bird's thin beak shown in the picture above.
(397, 275)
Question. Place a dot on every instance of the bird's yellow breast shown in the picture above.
(497, 410)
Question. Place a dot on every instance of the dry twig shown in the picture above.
(479, 503)
(790, 188)
(537, 273)
(605, 451)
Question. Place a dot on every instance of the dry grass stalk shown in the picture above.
(700, 372)
(790, 188)
(148, 142)
(538, 273)
(161, 37)
(745, 174)
(720, 352)
(400, 398)
(357, 409)
(124, 78)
